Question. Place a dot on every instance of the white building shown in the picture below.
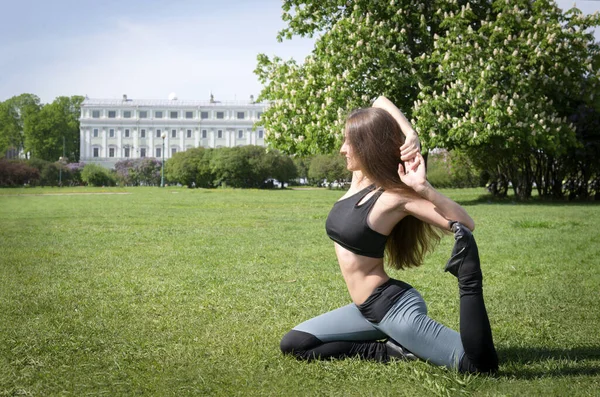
(112, 130)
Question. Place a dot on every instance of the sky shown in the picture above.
(145, 49)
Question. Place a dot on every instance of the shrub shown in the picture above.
(452, 170)
(136, 172)
(328, 168)
(96, 175)
(191, 168)
(17, 173)
(74, 173)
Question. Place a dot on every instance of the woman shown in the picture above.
(391, 207)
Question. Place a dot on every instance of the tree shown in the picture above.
(284, 169)
(497, 79)
(328, 167)
(191, 168)
(366, 49)
(46, 129)
(505, 86)
(13, 114)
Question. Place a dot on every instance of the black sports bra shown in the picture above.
(347, 225)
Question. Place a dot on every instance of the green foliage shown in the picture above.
(96, 175)
(452, 170)
(365, 50)
(191, 168)
(242, 166)
(496, 79)
(44, 130)
(328, 168)
(582, 165)
(302, 164)
(48, 172)
(14, 115)
(505, 86)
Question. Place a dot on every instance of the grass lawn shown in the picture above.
(188, 292)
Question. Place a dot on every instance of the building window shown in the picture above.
(189, 133)
(240, 134)
(260, 134)
(127, 114)
(240, 115)
(112, 114)
(142, 133)
(173, 151)
(143, 152)
(204, 133)
(111, 152)
(158, 133)
(111, 133)
(173, 133)
(220, 115)
(96, 152)
(158, 153)
(258, 115)
(203, 115)
(189, 115)
(173, 115)
(95, 132)
(95, 114)
(219, 134)
(158, 114)
(126, 152)
(126, 132)
(143, 114)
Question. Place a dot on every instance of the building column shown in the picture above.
(150, 149)
(182, 139)
(81, 143)
(88, 144)
(196, 137)
(119, 153)
(135, 132)
(211, 140)
(104, 153)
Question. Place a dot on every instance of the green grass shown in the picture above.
(188, 292)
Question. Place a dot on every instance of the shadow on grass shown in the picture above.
(489, 199)
(529, 362)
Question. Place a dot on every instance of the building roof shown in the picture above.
(167, 103)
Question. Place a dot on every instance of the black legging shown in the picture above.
(475, 331)
(346, 332)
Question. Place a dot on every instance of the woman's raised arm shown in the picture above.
(411, 146)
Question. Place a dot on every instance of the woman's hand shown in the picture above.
(411, 147)
(414, 176)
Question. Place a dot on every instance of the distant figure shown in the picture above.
(391, 207)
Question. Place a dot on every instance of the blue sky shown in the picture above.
(144, 48)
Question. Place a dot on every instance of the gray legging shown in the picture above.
(406, 322)
(347, 332)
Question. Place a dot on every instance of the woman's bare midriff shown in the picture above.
(362, 274)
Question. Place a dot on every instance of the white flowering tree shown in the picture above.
(506, 87)
(365, 49)
(497, 79)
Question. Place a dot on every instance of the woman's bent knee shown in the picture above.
(298, 343)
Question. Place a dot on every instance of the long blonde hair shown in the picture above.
(376, 137)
